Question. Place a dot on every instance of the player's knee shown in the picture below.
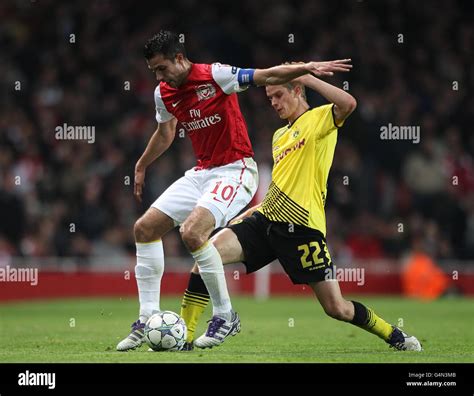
(226, 243)
(143, 232)
(192, 239)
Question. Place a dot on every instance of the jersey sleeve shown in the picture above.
(232, 79)
(162, 115)
(325, 121)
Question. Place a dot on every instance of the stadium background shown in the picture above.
(67, 207)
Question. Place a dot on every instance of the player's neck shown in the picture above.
(188, 66)
(301, 109)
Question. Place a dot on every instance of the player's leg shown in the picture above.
(226, 191)
(195, 232)
(193, 304)
(304, 255)
(196, 296)
(170, 209)
(330, 297)
(243, 242)
(148, 231)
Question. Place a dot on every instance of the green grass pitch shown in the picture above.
(275, 330)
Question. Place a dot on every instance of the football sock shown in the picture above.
(194, 303)
(148, 273)
(212, 273)
(367, 319)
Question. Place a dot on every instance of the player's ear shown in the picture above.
(297, 89)
(179, 57)
(300, 91)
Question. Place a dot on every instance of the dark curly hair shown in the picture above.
(165, 43)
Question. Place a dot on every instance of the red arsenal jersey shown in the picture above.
(207, 107)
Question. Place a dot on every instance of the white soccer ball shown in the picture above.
(165, 331)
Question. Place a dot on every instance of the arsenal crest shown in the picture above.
(205, 91)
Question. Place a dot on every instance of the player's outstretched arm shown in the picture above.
(344, 103)
(158, 144)
(285, 73)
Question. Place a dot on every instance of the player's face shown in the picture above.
(173, 73)
(283, 100)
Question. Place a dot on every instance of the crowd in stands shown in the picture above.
(81, 63)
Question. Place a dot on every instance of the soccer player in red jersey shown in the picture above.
(202, 97)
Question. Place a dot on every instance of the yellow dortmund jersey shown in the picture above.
(302, 155)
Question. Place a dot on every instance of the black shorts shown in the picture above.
(302, 251)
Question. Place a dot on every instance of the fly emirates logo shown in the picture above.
(200, 123)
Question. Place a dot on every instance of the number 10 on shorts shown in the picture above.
(222, 192)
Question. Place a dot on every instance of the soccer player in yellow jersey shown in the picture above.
(290, 223)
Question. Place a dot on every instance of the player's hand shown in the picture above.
(235, 220)
(242, 216)
(139, 183)
(323, 69)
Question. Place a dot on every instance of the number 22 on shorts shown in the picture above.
(319, 256)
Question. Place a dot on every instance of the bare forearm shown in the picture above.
(157, 145)
(340, 98)
(282, 74)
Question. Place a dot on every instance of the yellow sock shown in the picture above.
(368, 320)
(192, 307)
(376, 325)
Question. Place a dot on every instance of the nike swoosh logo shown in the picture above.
(176, 103)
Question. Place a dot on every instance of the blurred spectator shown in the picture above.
(425, 176)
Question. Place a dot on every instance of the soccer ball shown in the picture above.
(165, 331)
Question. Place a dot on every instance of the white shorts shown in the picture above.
(224, 191)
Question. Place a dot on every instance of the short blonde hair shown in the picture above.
(292, 85)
